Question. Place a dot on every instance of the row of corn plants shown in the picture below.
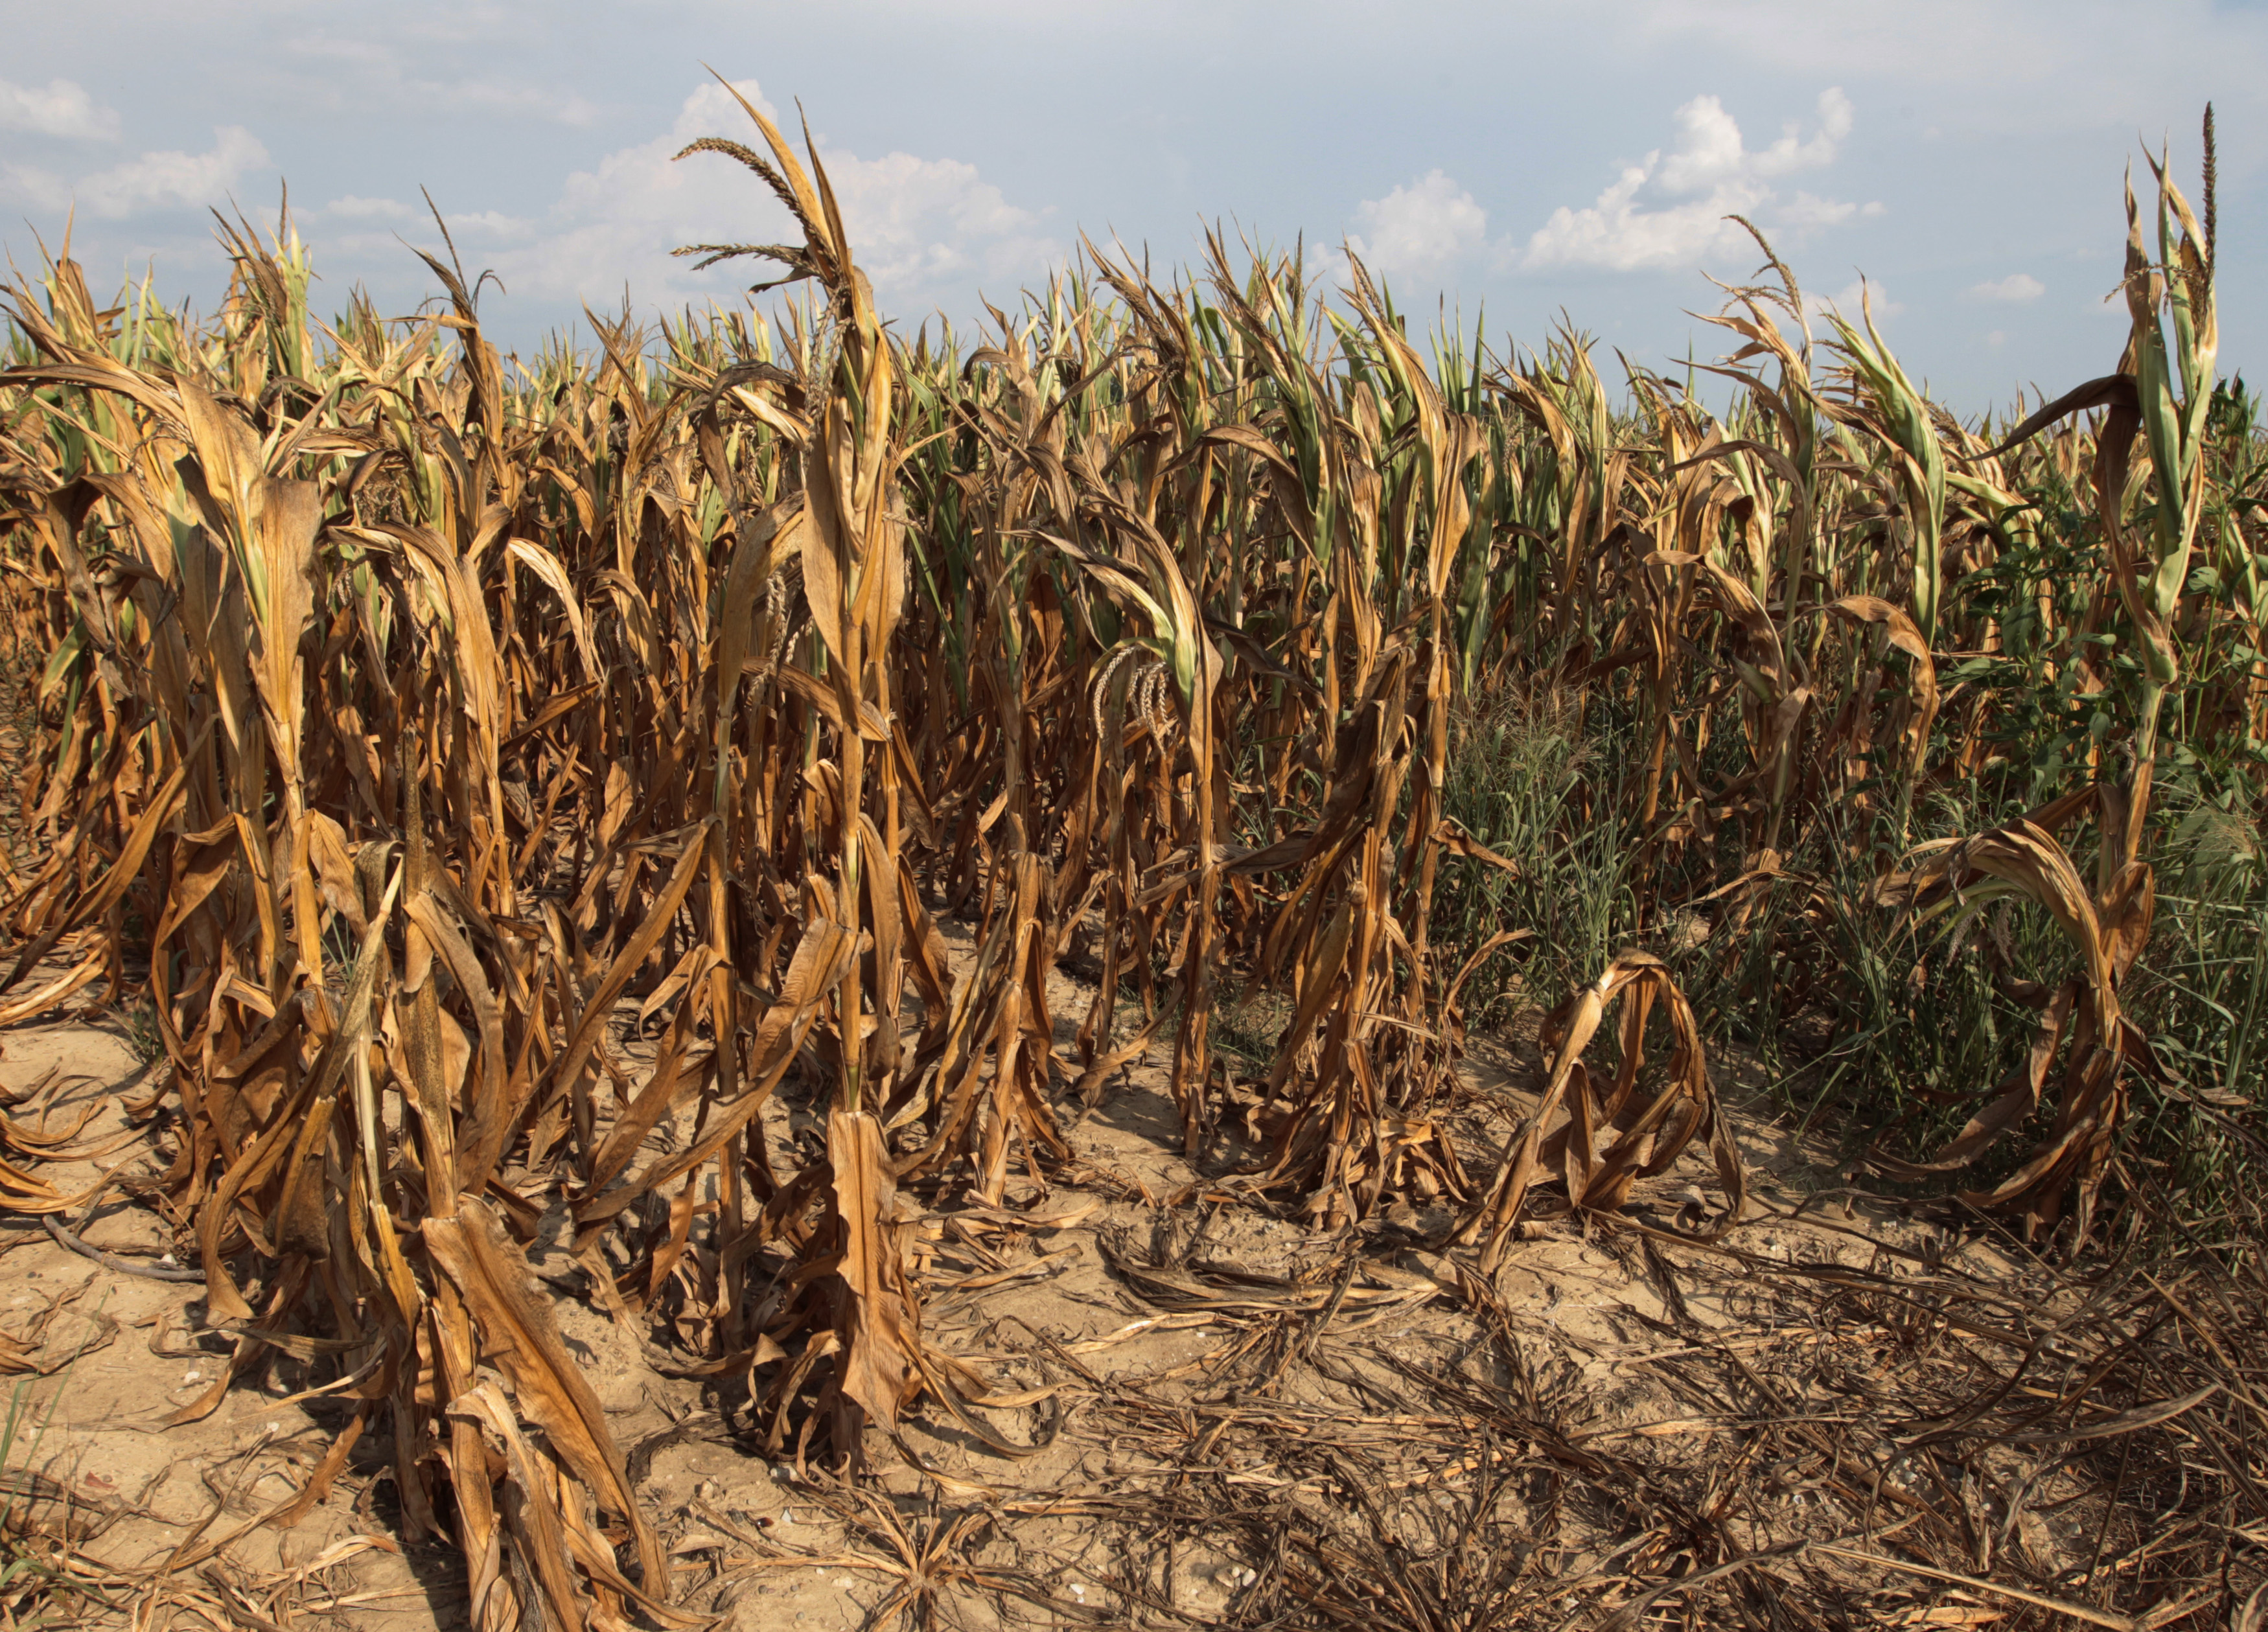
(408, 728)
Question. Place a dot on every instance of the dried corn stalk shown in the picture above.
(1598, 1139)
(499, 776)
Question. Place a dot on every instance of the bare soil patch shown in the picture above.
(1855, 1412)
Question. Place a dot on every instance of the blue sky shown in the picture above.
(1530, 159)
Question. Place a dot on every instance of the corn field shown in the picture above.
(406, 728)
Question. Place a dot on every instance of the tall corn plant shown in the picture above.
(2164, 390)
(2171, 350)
(1890, 410)
(850, 542)
(2176, 338)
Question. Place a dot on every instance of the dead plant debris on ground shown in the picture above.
(595, 843)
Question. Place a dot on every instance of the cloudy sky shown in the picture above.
(1964, 157)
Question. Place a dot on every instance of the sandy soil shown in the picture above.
(1185, 1342)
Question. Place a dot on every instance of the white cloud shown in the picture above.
(922, 229)
(2015, 288)
(351, 207)
(1668, 210)
(490, 223)
(519, 101)
(397, 72)
(61, 107)
(154, 182)
(1419, 227)
(913, 219)
(1807, 211)
(1852, 301)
